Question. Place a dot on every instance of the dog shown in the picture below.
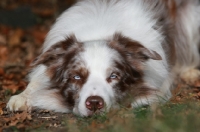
(101, 54)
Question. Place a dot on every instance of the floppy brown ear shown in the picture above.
(56, 51)
(134, 49)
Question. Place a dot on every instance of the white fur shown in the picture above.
(124, 17)
(92, 22)
(98, 58)
(99, 19)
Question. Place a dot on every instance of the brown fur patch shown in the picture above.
(72, 87)
(57, 51)
(141, 90)
(129, 77)
(83, 73)
(58, 59)
(131, 67)
(69, 97)
(133, 49)
(172, 9)
(58, 67)
(167, 16)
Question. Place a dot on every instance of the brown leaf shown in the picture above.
(197, 83)
(3, 55)
(13, 123)
(2, 105)
(44, 12)
(22, 116)
(9, 76)
(198, 94)
(17, 118)
(39, 35)
(1, 71)
(15, 37)
(12, 87)
(2, 40)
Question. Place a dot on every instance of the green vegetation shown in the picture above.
(167, 118)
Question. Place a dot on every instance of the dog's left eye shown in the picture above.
(77, 77)
(113, 76)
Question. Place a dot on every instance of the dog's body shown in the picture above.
(101, 53)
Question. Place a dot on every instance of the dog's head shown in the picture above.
(95, 76)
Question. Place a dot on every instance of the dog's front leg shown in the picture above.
(38, 80)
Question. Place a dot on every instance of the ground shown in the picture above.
(19, 46)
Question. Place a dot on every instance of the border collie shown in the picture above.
(101, 54)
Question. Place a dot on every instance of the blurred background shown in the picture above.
(26, 13)
(23, 27)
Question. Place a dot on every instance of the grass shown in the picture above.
(166, 118)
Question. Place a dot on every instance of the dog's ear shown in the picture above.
(134, 49)
(56, 51)
(144, 53)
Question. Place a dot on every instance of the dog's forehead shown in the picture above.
(98, 56)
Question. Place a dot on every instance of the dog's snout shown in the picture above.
(94, 103)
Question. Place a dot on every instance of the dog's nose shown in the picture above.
(94, 103)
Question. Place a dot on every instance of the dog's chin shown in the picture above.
(88, 113)
(84, 112)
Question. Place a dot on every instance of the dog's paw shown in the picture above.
(191, 77)
(17, 103)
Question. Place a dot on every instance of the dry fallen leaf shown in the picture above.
(3, 55)
(2, 105)
(44, 12)
(2, 40)
(39, 35)
(1, 71)
(17, 118)
(15, 37)
(12, 87)
(197, 83)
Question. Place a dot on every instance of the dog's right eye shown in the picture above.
(113, 76)
(77, 77)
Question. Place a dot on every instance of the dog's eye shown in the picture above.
(77, 77)
(113, 76)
